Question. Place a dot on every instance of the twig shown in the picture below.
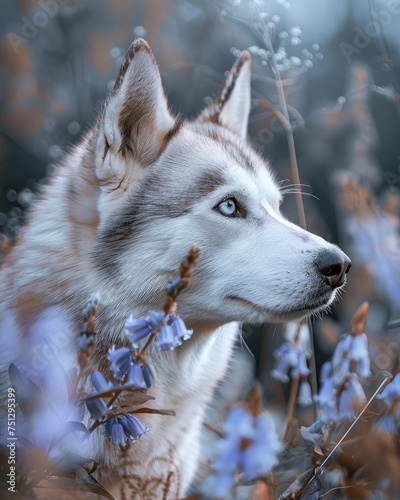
(288, 129)
(213, 429)
(292, 404)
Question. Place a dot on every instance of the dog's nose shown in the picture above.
(333, 265)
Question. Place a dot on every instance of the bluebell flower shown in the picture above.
(292, 355)
(265, 430)
(117, 434)
(181, 333)
(299, 335)
(364, 367)
(148, 376)
(341, 394)
(92, 303)
(250, 447)
(166, 338)
(83, 342)
(289, 358)
(155, 318)
(351, 355)
(173, 333)
(133, 427)
(286, 356)
(386, 424)
(300, 369)
(391, 392)
(339, 403)
(77, 411)
(239, 422)
(327, 396)
(330, 412)
(137, 329)
(121, 360)
(262, 454)
(97, 407)
(99, 382)
(304, 397)
(314, 428)
(119, 429)
(314, 432)
(376, 244)
(257, 460)
(135, 376)
(228, 455)
(351, 398)
(327, 402)
(115, 431)
(326, 371)
(218, 486)
(172, 285)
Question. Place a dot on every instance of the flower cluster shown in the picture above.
(130, 369)
(341, 394)
(390, 421)
(292, 358)
(250, 446)
(339, 402)
(132, 375)
(125, 365)
(286, 55)
(170, 328)
(126, 427)
(351, 356)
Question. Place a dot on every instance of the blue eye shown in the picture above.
(228, 207)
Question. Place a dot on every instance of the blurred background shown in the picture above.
(340, 64)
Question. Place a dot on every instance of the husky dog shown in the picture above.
(120, 214)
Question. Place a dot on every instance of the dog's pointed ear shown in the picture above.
(232, 108)
(136, 118)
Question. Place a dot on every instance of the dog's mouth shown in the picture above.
(289, 313)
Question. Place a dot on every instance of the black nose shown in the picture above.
(333, 265)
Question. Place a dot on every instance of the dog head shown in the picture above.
(168, 185)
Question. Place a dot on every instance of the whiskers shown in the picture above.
(294, 189)
(242, 341)
(328, 308)
(320, 313)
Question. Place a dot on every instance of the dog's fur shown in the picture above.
(129, 201)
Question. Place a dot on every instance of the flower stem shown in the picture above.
(285, 120)
(292, 404)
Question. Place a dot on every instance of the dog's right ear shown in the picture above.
(135, 119)
(232, 108)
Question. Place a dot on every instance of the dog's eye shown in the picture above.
(228, 207)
